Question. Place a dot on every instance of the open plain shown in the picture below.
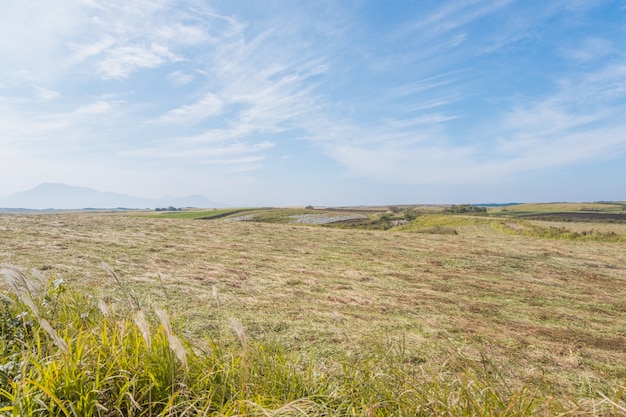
(540, 310)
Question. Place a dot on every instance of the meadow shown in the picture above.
(489, 314)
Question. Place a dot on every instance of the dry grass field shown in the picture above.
(537, 309)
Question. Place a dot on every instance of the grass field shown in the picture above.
(608, 207)
(544, 311)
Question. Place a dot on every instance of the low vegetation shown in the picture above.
(465, 209)
(592, 210)
(525, 228)
(67, 354)
(284, 318)
(194, 214)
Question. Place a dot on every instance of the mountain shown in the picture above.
(62, 196)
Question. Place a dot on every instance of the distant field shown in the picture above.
(539, 308)
(612, 207)
(193, 214)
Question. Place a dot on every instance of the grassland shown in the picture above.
(606, 207)
(194, 214)
(541, 311)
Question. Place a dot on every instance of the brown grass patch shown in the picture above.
(530, 303)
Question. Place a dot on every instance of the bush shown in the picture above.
(410, 214)
(465, 208)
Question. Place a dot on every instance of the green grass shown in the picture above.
(277, 215)
(445, 220)
(524, 228)
(194, 214)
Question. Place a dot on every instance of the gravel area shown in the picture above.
(239, 218)
(324, 218)
(317, 219)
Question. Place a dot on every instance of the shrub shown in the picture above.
(465, 208)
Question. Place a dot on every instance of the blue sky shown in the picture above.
(316, 102)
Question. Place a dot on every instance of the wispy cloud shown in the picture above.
(52, 133)
(98, 107)
(81, 52)
(185, 34)
(429, 83)
(180, 78)
(209, 105)
(454, 15)
(260, 84)
(233, 157)
(463, 91)
(46, 94)
(579, 123)
(592, 48)
(122, 61)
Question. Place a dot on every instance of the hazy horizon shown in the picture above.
(316, 103)
(60, 196)
(68, 197)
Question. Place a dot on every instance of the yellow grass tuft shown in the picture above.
(176, 346)
(104, 309)
(144, 327)
(239, 331)
(54, 335)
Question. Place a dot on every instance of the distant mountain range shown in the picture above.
(67, 197)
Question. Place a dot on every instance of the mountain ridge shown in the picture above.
(68, 197)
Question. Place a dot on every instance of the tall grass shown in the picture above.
(64, 353)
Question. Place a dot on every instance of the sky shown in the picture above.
(316, 102)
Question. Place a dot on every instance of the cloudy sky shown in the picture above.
(316, 102)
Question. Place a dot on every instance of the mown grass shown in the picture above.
(195, 214)
(543, 317)
(66, 354)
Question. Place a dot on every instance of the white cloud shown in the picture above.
(422, 120)
(46, 94)
(97, 107)
(444, 163)
(209, 105)
(32, 35)
(116, 38)
(230, 92)
(235, 157)
(547, 118)
(592, 48)
(184, 34)
(81, 52)
(429, 83)
(180, 78)
(121, 61)
(52, 133)
(451, 16)
(580, 122)
(235, 161)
